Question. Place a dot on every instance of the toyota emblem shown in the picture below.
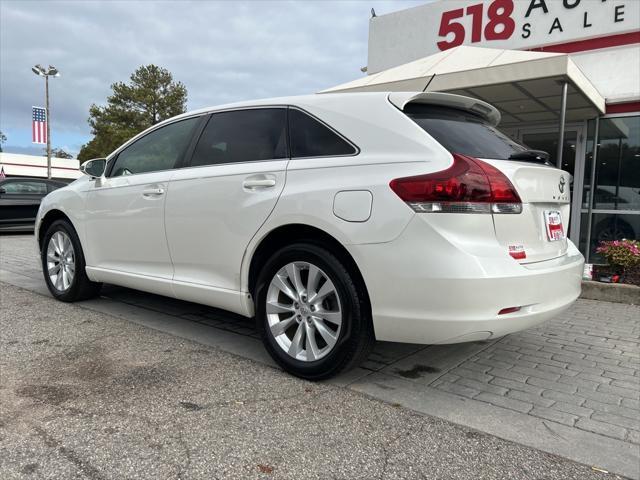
(562, 184)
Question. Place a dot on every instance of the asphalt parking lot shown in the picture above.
(88, 395)
(90, 391)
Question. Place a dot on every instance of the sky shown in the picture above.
(223, 51)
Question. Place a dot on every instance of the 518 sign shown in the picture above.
(499, 27)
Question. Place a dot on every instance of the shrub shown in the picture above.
(621, 253)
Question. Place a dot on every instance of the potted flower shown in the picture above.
(623, 257)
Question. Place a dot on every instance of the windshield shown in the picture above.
(463, 132)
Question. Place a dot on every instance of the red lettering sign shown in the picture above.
(499, 27)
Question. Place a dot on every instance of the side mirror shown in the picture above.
(94, 168)
(2, 190)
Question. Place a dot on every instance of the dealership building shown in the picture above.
(565, 75)
(35, 166)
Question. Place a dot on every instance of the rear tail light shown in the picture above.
(468, 186)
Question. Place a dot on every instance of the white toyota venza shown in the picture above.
(334, 219)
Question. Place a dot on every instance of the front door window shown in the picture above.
(156, 151)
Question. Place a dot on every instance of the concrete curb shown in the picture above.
(611, 292)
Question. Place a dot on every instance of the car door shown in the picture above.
(124, 229)
(19, 201)
(221, 198)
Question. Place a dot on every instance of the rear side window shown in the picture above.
(463, 132)
(51, 186)
(242, 136)
(310, 138)
(25, 188)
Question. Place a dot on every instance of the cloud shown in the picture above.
(222, 51)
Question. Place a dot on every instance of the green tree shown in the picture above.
(3, 139)
(150, 97)
(58, 153)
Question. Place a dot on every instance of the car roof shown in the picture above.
(40, 179)
(399, 99)
(336, 104)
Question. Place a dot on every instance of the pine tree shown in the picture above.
(150, 97)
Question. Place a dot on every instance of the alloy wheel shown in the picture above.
(304, 313)
(61, 261)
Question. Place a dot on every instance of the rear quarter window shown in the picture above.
(310, 138)
(463, 132)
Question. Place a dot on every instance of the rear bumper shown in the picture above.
(425, 288)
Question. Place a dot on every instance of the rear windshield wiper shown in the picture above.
(538, 156)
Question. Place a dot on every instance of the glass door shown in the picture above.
(615, 204)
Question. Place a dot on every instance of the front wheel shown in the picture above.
(313, 315)
(63, 264)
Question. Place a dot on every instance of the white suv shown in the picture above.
(334, 219)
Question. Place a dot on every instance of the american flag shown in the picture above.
(39, 125)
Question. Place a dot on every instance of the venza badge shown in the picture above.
(561, 184)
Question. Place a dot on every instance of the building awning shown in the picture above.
(526, 87)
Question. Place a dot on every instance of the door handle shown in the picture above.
(257, 183)
(153, 192)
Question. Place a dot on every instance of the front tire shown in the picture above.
(63, 264)
(312, 312)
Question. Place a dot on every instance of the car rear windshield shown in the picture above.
(460, 131)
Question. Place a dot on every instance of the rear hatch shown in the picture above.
(467, 127)
(540, 230)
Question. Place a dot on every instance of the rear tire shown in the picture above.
(63, 264)
(313, 315)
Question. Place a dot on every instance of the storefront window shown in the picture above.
(617, 176)
(548, 142)
(616, 186)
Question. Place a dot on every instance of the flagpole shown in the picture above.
(46, 73)
(46, 94)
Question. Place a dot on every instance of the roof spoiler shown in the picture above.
(483, 109)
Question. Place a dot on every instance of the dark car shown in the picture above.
(20, 199)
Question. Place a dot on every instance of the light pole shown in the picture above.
(46, 73)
